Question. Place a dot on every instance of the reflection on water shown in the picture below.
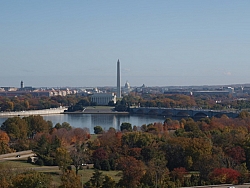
(104, 120)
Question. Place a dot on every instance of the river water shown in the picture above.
(104, 120)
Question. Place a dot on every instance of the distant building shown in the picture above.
(195, 93)
(103, 98)
(127, 88)
(21, 84)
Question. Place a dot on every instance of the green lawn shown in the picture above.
(54, 171)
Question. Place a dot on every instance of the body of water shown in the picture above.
(104, 120)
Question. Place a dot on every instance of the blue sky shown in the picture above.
(159, 43)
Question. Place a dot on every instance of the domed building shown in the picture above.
(127, 87)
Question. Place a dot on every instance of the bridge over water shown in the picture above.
(183, 112)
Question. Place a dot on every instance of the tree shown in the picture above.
(179, 174)
(108, 182)
(70, 180)
(126, 126)
(132, 171)
(4, 143)
(79, 156)
(244, 114)
(66, 125)
(32, 179)
(224, 175)
(97, 179)
(36, 124)
(16, 128)
(62, 158)
(98, 157)
(158, 169)
(98, 130)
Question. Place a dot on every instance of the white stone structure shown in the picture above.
(103, 98)
(118, 92)
(127, 87)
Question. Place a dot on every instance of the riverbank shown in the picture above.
(35, 112)
(97, 110)
(62, 110)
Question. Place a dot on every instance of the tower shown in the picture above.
(21, 84)
(118, 93)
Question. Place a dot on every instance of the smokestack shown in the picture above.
(118, 80)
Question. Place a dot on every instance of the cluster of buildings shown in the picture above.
(34, 92)
(103, 96)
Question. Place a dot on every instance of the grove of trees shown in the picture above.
(173, 153)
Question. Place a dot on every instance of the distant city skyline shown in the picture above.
(160, 43)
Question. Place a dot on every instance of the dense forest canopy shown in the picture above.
(168, 154)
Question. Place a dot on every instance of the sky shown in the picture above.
(159, 43)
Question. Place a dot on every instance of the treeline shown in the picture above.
(27, 102)
(204, 101)
(77, 102)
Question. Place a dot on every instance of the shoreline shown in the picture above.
(95, 112)
(34, 112)
(61, 110)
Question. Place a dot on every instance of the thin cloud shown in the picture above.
(228, 73)
(126, 70)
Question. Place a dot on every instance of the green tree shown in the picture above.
(70, 180)
(97, 179)
(62, 158)
(98, 130)
(108, 182)
(126, 126)
(31, 179)
(16, 128)
(37, 124)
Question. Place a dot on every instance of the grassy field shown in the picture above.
(55, 173)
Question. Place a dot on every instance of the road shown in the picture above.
(12, 156)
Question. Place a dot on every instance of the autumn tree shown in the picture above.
(32, 179)
(4, 143)
(70, 180)
(62, 158)
(132, 171)
(178, 174)
(79, 155)
(98, 157)
(224, 175)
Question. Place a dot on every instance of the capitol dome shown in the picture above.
(127, 86)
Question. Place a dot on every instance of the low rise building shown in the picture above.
(103, 98)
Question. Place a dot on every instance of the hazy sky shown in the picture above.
(159, 43)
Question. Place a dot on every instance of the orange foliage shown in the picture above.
(4, 137)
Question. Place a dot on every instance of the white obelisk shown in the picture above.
(118, 94)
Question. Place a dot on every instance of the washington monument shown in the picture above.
(118, 94)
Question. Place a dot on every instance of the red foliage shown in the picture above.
(237, 153)
(100, 154)
(179, 173)
(224, 175)
(132, 169)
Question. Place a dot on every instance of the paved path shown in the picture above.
(12, 156)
